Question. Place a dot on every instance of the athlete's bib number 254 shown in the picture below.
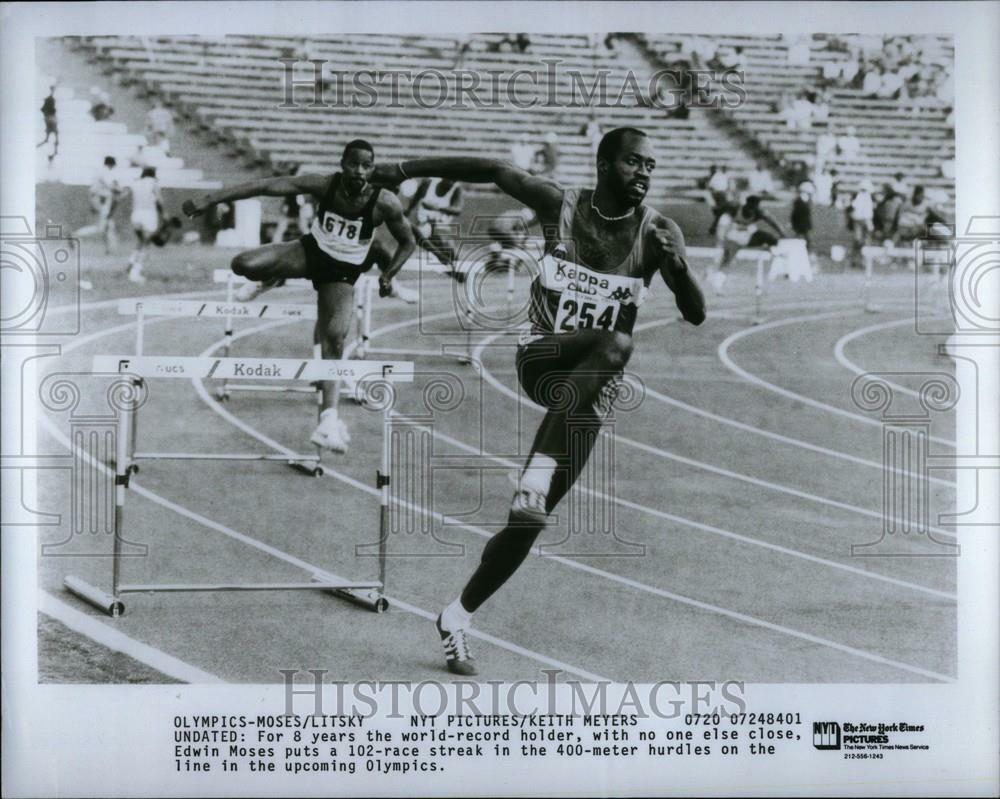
(576, 313)
(341, 228)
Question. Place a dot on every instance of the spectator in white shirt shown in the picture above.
(823, 182)
(849, 145)
(160, 126)
(872, 82)
(522, 154)
(760, 182)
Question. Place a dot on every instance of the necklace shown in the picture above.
(610, 218)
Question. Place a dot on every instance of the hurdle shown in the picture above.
(916, 255)
(361, 325)
(141, 309)
(369, 594)
(760, 258)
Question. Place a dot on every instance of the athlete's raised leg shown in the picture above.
(272, 262)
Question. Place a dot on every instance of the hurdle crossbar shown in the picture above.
(760, 257)
(916, 255)
(369, 594)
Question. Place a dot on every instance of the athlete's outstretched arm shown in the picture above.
(391, 212)
(269, 187)
(668, 241)
(542, 195)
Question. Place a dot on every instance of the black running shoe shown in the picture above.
(457, 654)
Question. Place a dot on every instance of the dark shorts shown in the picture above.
(323, 268)
(51, 123)
(538, 367)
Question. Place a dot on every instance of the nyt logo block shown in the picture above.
(826, 735)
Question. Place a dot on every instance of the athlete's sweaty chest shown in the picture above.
(346, 205)
(601, 245)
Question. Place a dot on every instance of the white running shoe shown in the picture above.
(251, 291)
(401, 292)
(331, 433)
(718, 280)
(135, 274)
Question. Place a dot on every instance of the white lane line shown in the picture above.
(749, 428)
(843, 360)
(784, 392)
(100, 632)
(702, 527)
(667, 455)
(634, 584)
(706, 528)
(252, 542)
(732, 313)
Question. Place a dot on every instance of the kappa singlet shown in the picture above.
(344, 237)
(568, 295)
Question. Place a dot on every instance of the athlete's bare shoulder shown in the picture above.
(387, 205)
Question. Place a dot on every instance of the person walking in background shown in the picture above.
(860, 221)
(801, 219)
(104, 194)
(48, 110)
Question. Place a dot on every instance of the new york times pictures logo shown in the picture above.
(826, 735)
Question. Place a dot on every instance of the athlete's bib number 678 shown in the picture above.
(341, 228)
(576, 315)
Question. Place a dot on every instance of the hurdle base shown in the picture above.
(103, 601)
(311, 468)
(369, 597)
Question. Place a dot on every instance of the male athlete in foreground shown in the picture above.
(602, 248)
(334, 254)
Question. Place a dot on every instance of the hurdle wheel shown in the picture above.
(318, 472)
(222, 396)
(133, 468)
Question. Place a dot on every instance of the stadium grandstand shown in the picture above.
(805, 112)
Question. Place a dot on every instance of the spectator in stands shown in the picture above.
(799, 51)
(160, 126)
(522, 43)
(884, 217)
(801, 217)
(947, 166)
(717, 185)
(760, 181)
(826, 146)
(823, 182)
(51, 122)
(872, 82)
(821, 107)
(799, 173)
(849, 145)
(100, 104)
(463, 43)
(899, 184)
(522, 153)
(892, 83)
(860, 221)
(849, 71)
(912, 217)
(550, 153)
